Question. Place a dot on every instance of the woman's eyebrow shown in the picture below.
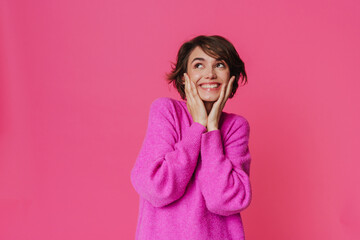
(201, 59)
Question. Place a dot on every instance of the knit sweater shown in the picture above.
(192, 183)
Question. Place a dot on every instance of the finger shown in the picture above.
(221, 99)
(193, 88)
(228, 90)
(222, 93)
(187, 88)
(229, 87)
(217, 104)
(188, 84)
(190, 96)
(196, 92)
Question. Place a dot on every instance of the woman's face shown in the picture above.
(207, 73)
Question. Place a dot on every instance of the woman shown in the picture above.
(192, 172)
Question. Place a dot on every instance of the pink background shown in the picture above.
(77, 78)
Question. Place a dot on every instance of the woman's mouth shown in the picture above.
(210, 86)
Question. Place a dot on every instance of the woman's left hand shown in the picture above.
(218, 106)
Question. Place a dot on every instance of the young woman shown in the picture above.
(192, 172)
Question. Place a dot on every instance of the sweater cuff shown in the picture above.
(198, 126)
(211, 143)
(194, 132)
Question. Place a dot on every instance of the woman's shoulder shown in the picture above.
(167, 106)
(162, 101)
(234, 120)
(166, 102)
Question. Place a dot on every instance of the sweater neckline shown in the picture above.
(189, 114)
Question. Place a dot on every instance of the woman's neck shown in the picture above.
(208, 106)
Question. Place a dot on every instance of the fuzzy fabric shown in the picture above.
(193, 184)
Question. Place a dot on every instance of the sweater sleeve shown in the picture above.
(225, 164)
(165, 164)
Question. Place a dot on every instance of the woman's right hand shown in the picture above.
(194, 103)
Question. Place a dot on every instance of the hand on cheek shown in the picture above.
(194, 103)
(218, 106)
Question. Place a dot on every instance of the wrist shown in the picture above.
(204, 124)
(212, 128)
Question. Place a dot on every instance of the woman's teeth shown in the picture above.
(210, 85)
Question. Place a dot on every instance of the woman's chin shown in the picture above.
(209, 98)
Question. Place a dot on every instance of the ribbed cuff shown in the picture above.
(211, 143)
(193, 134)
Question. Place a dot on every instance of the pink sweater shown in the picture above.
(193, 184)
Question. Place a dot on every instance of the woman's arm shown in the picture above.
(164, 165)
(224, 171)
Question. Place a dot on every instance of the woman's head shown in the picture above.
(207, 59)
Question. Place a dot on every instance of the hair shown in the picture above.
(215, 46)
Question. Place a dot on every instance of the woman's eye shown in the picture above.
(222, 65)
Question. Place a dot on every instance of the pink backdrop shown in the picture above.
(77, 78)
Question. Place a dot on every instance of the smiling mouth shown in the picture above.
(210, 86)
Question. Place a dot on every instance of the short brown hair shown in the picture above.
(215, 46)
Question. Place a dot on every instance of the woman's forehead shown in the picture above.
(200, 54)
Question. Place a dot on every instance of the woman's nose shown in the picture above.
(210, 74)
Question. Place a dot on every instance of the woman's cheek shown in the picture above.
(196, 78)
